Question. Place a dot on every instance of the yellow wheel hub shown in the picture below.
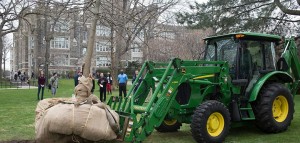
(215, 124)
(280, 108)
(170, 122)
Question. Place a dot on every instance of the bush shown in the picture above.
(103, 70)
(71, 73)
(132, 66)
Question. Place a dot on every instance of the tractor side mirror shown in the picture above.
(240, 82)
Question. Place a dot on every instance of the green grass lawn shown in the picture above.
(17, 113)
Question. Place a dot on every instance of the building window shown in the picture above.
(85, 35)
(141, 35)
(103, 47)
(60, 43)
(84, 50)
(135, 48)
(32, 60)
(102, 31)
(31, 42)
(138, 59)
(60, 60)
(167, 35)
(102, 61)
(60, 26)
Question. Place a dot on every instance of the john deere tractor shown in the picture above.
(241, 78)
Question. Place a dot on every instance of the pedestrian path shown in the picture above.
(21, 87)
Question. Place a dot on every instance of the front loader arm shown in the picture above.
(290, 55)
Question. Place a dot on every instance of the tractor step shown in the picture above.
(247, 119)
(243, 109)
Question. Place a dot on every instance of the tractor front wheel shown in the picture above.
(210, 122)
(169, 125)
(274, 108)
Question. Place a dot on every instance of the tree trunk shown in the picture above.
(91, 42)
(4, 60)
(38, 43)
(114, 68)
(120, 35)
(47, 56)
(1, 55)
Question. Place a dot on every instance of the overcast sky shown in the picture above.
(182, 6)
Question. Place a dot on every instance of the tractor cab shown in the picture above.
(248, 55)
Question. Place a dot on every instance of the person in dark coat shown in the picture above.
(19, 75)
(79, 74)
(134, 77)
(102, 81)
(41, 86)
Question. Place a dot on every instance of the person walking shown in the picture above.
(41, 86)
(76, 77)
(136, 73)
(134, 77)
(24, 76)
(122, 79)
(19, 74)
(102, 81)
(16, 76)
(97, 75)
(32, 75)
(109, 83)
(54, 83)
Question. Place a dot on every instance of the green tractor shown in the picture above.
(241, 78)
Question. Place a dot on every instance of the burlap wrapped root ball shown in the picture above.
(86, 118)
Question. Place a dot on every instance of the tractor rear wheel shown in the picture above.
(274, 108)
(169, 125)
(210, 122)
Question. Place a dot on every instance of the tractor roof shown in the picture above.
(249, 35)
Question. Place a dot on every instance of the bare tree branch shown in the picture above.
(286, 10)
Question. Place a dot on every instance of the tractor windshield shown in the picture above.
(221, 49)
(245, 56)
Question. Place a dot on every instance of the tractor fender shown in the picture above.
(274, 76)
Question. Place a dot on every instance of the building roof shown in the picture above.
(250, 35)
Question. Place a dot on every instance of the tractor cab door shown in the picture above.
(254, 58)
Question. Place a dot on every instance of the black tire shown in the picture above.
(273, 97)
(202, 132)
(169, 125)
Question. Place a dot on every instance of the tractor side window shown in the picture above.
(269, 55)
(262, 55)
(256, 55)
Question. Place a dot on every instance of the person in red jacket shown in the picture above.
(41, 86)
